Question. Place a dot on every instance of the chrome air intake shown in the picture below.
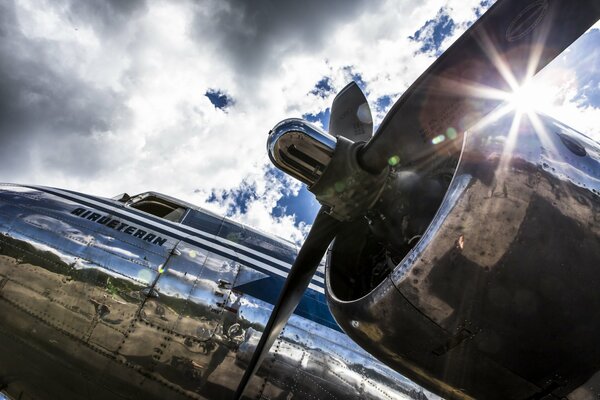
(300, 149)
(328, 165)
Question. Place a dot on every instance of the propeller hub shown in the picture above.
(346, 189)
(328, 165)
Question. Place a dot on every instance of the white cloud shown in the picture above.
(155, 62)
(559, 86)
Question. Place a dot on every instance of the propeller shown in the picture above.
(350, 114)
(512, 41)
(310, 255)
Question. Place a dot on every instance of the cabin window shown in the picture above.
(159, 207)
(271, 246)
(203, 221)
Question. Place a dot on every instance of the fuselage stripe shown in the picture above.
(190, 230)
(179, 235)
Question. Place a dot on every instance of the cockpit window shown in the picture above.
(159, 207)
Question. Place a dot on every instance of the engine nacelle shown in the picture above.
(500, 293)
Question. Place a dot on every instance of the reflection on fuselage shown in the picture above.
(91, 311)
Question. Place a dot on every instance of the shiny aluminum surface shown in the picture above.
(132, 309)
(497, 300)
(300, 149)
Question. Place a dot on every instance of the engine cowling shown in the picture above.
(498, 295)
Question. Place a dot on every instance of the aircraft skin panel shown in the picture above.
(98, 301)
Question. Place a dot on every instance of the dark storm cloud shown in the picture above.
(8, 18)
(106, 16)
(47, 113)
(256, 34)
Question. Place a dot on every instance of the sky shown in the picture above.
(105, 97)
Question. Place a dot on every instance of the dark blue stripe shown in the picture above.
(179, 227)
(312, 306)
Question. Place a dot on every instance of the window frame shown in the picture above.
(168, 201)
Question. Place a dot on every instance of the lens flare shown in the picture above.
(526, 98)
(438, 139)
(393, 161)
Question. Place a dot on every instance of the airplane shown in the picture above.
(151, 297)
(461, 243)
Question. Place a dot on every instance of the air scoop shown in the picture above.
(300, 149)
(328, 165)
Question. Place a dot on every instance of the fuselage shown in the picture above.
(154, 298)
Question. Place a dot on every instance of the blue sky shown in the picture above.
(219, 99)
(178, 97)
(432, 34)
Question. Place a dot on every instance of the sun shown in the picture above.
(523, 98)
(530, 96)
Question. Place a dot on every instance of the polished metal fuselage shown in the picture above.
(98, 300)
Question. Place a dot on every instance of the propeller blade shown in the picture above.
(350, 114)
(513, 40)
(310, 255)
